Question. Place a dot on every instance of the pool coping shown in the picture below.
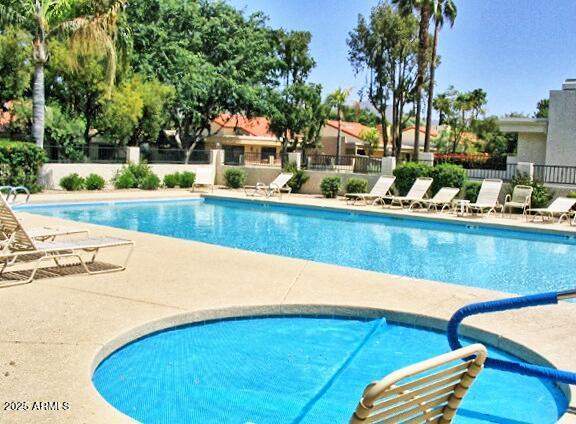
(425, 317)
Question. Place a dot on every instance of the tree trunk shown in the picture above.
(384, 123)
(338, 137)
(431, 87)
(422, 50)
(38, 102)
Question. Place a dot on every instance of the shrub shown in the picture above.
(235, 178)
(172, 180)
(541, 195)
(407, 173)
(448, 175)
(298, 179)
(124, 179)
(356, 185)
(571, 195)
(136, 175)
(149, 182)
(471, 190)
(94, 182)
(186, 179)
(20, 162)
(330, 186)
(72, 182)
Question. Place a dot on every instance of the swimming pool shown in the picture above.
(294, 370)
(505, 260)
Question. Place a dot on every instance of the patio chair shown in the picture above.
(380, 190)
(521, 198)
(18, 247)
(487, 200)
(416, 193)
(278, 186)
(204, 177)
(427, 392)
(561, 207)
(442, 199)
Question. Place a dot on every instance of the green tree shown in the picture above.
(356, 113)
(336, 100)
(371, 136)
(225, 62)
(15, 65)
(441, 9)
(542, 108)
(87, 24)
(424, 10)
(297, 115)
(385, 46)
(295, 61)
(458, 110)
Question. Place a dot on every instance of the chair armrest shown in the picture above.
(507, 198)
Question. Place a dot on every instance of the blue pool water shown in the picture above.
(509, 261)
(294, 370)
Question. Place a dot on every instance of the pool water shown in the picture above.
(505, 260)
(294, 370)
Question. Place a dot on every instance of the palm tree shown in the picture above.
(424, 9)
(89, 24)
(441, 9)
(337, 99)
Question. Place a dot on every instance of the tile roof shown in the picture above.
(351, 128)
(257, 126)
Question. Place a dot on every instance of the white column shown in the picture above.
(133, 154)
(525, 168)
(295, 157)
(388, 165)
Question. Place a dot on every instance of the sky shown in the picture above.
(516, 50)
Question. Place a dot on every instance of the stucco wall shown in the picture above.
(561, 144)
(51, 173)
(312, 186)
(531, 148)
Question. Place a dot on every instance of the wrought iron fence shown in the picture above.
(555, 174)
(158, 155)
(91, 153)
(344, 163)
(232, 157)
(473, 161)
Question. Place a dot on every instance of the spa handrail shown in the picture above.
(551, 298)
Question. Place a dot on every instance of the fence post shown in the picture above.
(132, 154)
(388, 165)
(295, 157)
(525, 168)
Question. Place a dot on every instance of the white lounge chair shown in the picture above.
(380, 190)
(427, 392)
(18, 248)
(442, 199)
(415, 194)
(487, 200)
(561, 207)
(278, 186)
(521, 198)
(204, 177)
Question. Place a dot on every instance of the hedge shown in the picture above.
(23, 160)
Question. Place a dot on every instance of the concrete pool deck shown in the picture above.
(53, 331)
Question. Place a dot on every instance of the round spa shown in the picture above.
(294, 369)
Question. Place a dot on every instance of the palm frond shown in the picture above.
(9, 15)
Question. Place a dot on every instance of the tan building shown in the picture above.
(350, 141)
(240, 136)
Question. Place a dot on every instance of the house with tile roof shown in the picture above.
(249, 137)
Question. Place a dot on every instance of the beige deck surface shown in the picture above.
(52, 330)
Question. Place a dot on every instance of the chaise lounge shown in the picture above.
(278, 186)
(561, 207)
(442, 199)
(487, 200)
(380, 190)
(19, 250)
(427, 392)
(415, 194)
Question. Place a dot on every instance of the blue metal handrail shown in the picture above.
(504, 305)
